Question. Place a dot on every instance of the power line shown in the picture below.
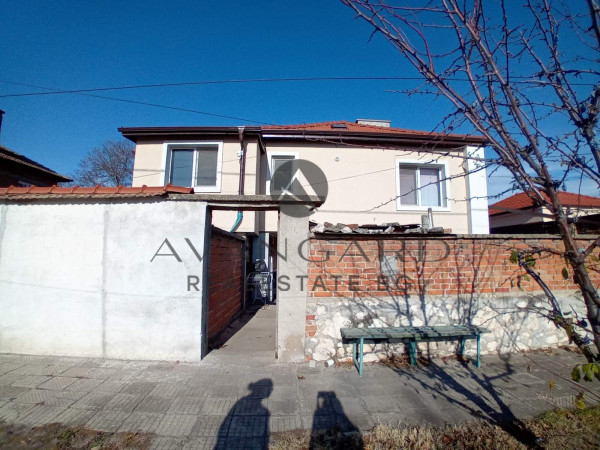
(156, 105)
(247, 81)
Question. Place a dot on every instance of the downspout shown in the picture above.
(240, 214)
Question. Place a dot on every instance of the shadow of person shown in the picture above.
(247, 423)
(331, 427)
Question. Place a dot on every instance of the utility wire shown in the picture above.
(527, 80)
(136, 102)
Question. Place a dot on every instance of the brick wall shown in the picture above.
(382, 281)
(225, 280)
(452, 265)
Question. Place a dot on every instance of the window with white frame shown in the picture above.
(279, 177)
(197, 165)
(421, 186)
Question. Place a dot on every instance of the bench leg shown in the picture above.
(360, 364)
(413, 352)
(462, 347)
(357, 355)
(478, 362)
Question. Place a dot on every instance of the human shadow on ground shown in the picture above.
(247, 423)
(331, 428)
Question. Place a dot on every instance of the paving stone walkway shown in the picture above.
(237, 403)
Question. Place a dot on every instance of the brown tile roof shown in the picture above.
(36, 192)
(343, 126)
(10, 155)
(523, 201)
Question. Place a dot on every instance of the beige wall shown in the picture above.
(150, 164)
(362, 183)
(365, 178)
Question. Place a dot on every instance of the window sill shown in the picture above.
(205, 189)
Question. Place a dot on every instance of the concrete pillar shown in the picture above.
(292, 268)
(477, 191)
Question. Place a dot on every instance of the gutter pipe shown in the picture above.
(240, 213)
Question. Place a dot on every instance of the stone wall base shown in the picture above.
(516, 322)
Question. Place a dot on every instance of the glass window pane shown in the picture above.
(430, 186)
(280, 177)
(408, 185)
(206, 166)
(182, 163)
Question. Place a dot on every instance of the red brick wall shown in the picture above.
(225, 280)
(430, 266)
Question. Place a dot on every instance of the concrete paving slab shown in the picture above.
(211, 426)
(186, 405)
(139, 388)
(142, 422)
(123, 402)
(11, 392)
(9, 378)
(111, 386)
(176, 424)
(84, 385)
(170, 390)
(153, 404)
(107, 420)
(42, 415)
(29, 369)
(57, 383)
(217, 406)
(75, 417)
(93, 400)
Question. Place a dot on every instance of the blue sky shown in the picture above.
(79, 44)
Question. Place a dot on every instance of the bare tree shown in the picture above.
(525, 76)
(108, 165)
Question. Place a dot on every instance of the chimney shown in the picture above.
(375, 122)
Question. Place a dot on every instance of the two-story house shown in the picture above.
(375, 173)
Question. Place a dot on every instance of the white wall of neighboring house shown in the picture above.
(80, 279)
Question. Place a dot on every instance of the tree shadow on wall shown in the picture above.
(416, 293)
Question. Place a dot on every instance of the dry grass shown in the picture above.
(61, 437)
(558, 429)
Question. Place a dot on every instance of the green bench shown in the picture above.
(409, 335)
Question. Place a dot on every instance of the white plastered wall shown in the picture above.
(78, 279)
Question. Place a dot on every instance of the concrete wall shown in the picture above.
(366, 282)
(99, 279)
(225, 280)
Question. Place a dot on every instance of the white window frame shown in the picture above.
(270, 156)
(168, 148)
(428, 165)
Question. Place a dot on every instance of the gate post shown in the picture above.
(291, 303)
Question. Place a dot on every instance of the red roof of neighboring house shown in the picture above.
(523, 201)
(10, 155)
(35, 192)
(352, 127)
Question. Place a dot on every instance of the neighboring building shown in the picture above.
(18, 170)
(520, 214)
(376, 174)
